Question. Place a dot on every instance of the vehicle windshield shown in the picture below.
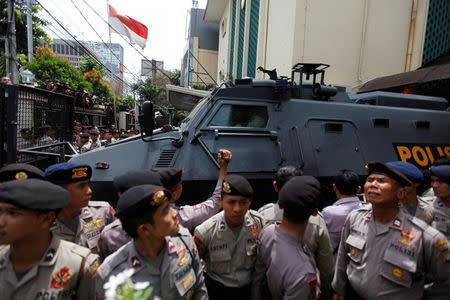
(186, 120)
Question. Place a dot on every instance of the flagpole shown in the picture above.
(110, 61)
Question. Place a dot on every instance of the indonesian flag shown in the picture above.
(124, 25)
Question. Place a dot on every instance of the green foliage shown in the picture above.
(20, 10)
(174, 76)
(99, 86)
(46, 65)
(125, 100)
(149, 90)
(88, 63)
(127, 292)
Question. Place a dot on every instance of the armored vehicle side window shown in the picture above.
(240, 116)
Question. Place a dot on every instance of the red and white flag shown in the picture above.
(123, 24)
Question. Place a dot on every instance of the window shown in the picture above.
(241, 116)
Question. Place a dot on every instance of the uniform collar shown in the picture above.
(248, 222)
(347, 200)
(51, 254)
(85, 213)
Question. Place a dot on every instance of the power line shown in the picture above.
(109, 46)
(110, 27)
(82, 45)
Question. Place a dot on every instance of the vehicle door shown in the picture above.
(246, 129)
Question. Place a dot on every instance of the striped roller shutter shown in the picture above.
(253, 38)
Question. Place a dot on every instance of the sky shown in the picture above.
(166, 21)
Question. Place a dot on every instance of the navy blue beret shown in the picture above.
(408, 169)
(67, 173)
(170, 176)
(20, 171)
(300, 192)
(135, 177)
(34, 194)
(381, 168)
(141, 198)
(84, 135)
(237, 185)
(442, 172)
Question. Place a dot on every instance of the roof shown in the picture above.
(428, 74)
(214, 11)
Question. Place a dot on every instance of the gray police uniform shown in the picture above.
(441, 217)
(277, 250)
(179, 276)
(389, 261)
(191, 216)
(113, 236)
(335, 216)
(229, 260)
(92, 219)
(316, 238)
(65, 272)
(424, 210)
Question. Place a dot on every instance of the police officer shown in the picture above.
(346, 186)
(228, 241)
(35, 264)
(113, 236)
(284, 264)
(316, 236)
(85, 143)
(20, 171)
(385, 253)
(158, 253)
(191, 216)
(440, 182)
(412, 203)
(82, 220)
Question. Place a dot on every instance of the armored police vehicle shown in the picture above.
(275, 122)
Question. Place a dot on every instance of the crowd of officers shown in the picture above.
(87, 138)
(56, 243)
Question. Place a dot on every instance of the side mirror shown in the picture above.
(147, 118)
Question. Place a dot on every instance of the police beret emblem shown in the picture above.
(20, 176)
(79, 173)
(226, 187)
(158, 197)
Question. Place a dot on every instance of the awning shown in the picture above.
(184, 98)
(413, 78)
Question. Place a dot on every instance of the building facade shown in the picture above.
(199, 63)
(360, 39)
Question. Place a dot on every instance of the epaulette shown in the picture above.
(256, 215)
(418, 222)
(265, 207)
(77, 249)
(184, 231)
(99, 204)
(111, 262)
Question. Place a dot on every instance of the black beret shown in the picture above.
(141, 198)
(84, 135)
(34, 194)
(408, 169)
(442, 172)
(237, 185)
(124, 135)
(135, 177)
(68, 173)
(170, 176)
(300, 192)
(381, 168)
(20, 171)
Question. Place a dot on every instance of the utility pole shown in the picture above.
(11, 40)
(29, 31)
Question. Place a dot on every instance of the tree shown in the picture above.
(88, 63)
(149, 90)
(94, 72)
(46, 65)
(20, 11)
(174, 76)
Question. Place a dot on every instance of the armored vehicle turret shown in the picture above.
(274, 122)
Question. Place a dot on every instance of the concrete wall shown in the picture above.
(360, 39)
(208, 59)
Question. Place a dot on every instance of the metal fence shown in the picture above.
(25, 113)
